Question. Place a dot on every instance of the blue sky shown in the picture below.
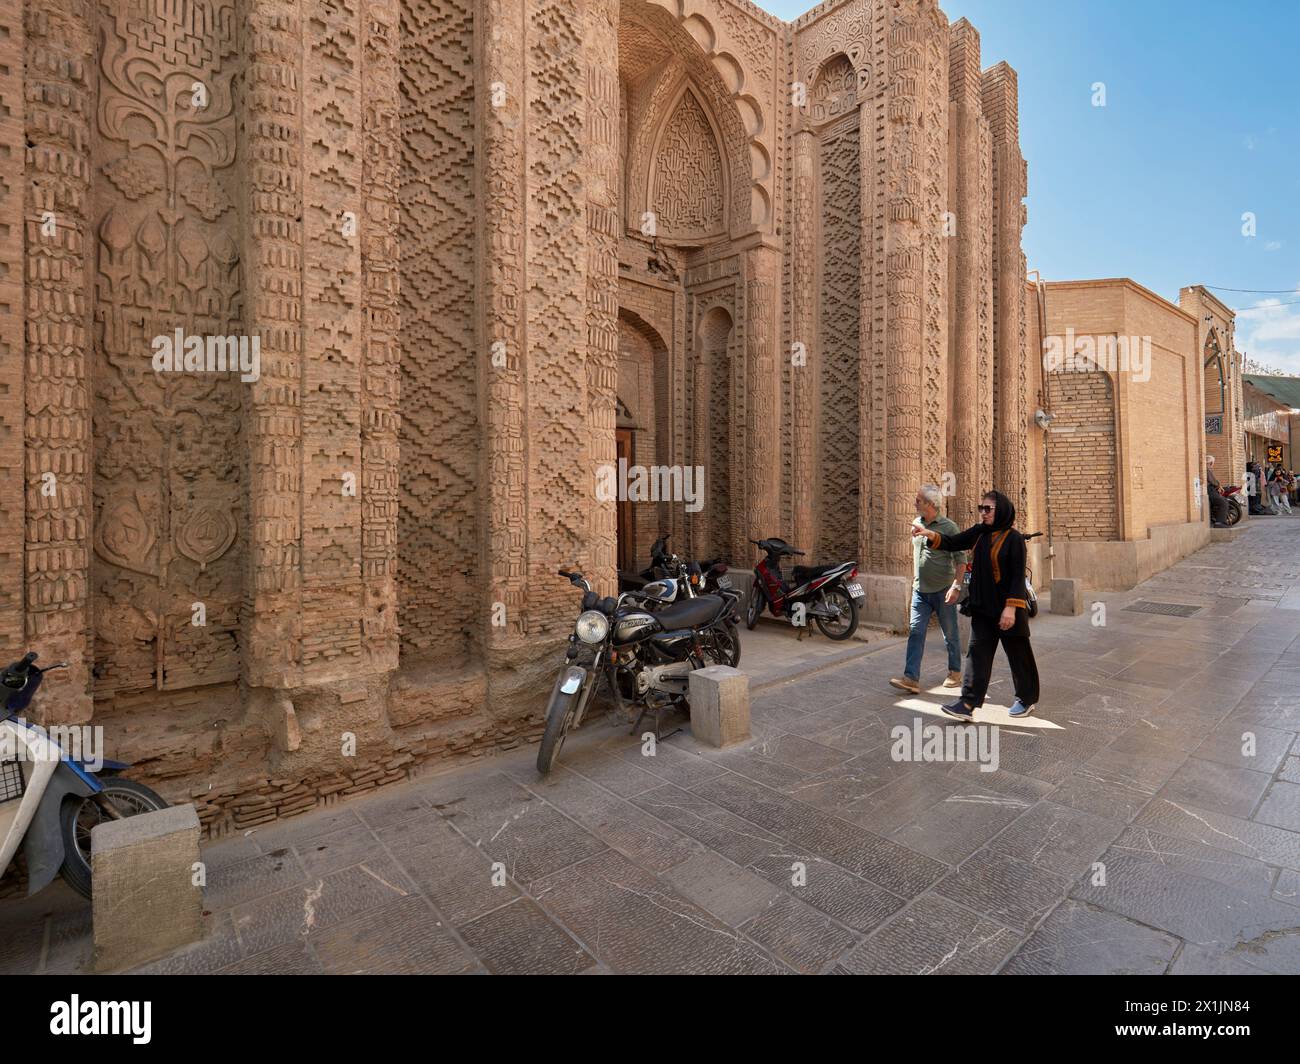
(1201, 125)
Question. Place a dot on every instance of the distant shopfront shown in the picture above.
(1268, 417)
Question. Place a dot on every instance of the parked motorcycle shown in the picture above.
(827, 593)
(704, 577)
(645, 656)
(672, 579)
(1031, 596)
(1237, 504)
(49, 801)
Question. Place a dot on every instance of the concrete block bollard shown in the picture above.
(719, 697)
(145, 902)
(1067, 596)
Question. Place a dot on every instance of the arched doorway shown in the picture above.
(642, 429)
(684, 194)
(1216, 381)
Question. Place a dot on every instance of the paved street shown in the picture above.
(1124, 829)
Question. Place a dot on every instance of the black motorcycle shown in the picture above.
(672, 579)
(645, 656)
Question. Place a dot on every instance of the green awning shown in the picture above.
(1285, 390)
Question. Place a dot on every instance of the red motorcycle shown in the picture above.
(1236, 507)
(827, 593)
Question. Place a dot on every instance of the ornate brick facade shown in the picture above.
(477, 243)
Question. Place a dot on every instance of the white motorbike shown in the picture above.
(50, 801)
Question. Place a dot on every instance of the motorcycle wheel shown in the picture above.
(847, 622)
(80, 815)
(753, 607)
(1233, 516)
(559, 715)
(724, 647)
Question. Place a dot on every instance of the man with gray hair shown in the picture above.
(936, 586)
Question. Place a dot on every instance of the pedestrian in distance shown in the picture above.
(1278, 491)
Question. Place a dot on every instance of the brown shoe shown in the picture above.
(905, 683)
(954, 680)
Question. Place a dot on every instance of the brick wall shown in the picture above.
(1158, 462)
(1163, 428)
(1081, 449)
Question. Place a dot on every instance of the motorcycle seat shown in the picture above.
(804, 573)
(691, 613)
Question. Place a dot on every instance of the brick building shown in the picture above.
(482, 249)
(1222, 369)
(1121, 466)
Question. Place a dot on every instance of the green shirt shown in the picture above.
(934, 568)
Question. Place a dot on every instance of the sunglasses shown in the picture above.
(986, 509)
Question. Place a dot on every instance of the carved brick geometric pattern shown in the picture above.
(839, 340)
(716, 379)
(271, 147)
(380, 368)
(655, 35)
(804, 308)
(561, 487)
(59, 47)
(835, 93)
(333, 609)
(603, 179)
(757, 42)
(440, 449)
(688, 187)
(458, 354)
(12, 363)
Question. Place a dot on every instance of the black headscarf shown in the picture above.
(1004, 514)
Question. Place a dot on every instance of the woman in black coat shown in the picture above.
(998, 606)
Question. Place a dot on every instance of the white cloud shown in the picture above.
(1269, 332)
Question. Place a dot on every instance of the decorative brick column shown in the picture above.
(909, 263)
(970, 283)
(804, 379)
(1011, 429)
(13, 365)
(271, 150)
(762, 381)
(604, 174)
(59, 49)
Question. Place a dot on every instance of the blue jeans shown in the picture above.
(923, 605)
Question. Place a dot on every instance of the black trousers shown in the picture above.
(1218, 509)
(985, 635)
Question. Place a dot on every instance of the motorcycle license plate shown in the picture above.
(855, 590)
(724, 582)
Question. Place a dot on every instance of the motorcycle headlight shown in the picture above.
(592, 626)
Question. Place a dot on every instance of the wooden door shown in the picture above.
(626, 533)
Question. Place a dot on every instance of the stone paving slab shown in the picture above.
(1145, 820)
